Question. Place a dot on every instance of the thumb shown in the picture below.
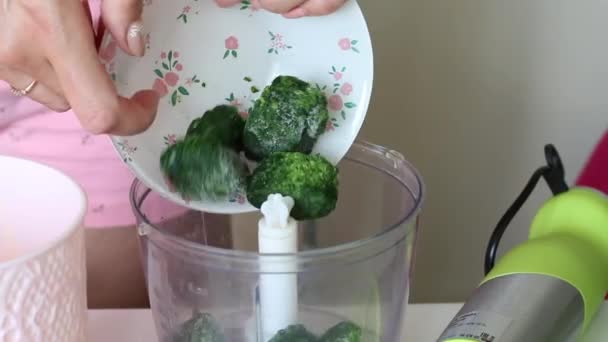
(123, 19)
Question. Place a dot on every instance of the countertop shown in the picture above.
(424, 322)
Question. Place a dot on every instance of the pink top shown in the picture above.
(29, 130)
(595, 171)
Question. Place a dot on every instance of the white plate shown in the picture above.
(202, 55)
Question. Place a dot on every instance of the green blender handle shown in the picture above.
(550, 284)
(568, 240)
(568, 243)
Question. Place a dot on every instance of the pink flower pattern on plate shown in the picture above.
(186, 11)
(249, 5)
(170, 139)
(277, 44)
(337, 101)
(346, 89)
(171, 78)
(239, 103)
(238, 197)
(232, 45)
(347, 44)
(168, 77)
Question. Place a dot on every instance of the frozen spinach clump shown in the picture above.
(310, 180)
(289, 116)
(221, 124)
(294, 333)
(200, 328)
(200, 169)
(343, 332)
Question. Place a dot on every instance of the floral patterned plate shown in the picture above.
(200, 55)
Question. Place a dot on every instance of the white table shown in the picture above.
(425, 322)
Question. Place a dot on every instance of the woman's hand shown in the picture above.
(292, 8)
(52, 42)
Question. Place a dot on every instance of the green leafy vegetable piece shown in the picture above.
(201, 169)
(289, 116)
(294, 333)
(309, 179)
(343, 332)
(221, 124)
(200, 328)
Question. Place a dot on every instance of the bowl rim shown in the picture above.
(68, 232)
(338, 249)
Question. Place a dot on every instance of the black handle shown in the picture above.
(554, 175)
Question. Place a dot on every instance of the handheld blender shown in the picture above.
(549, 288)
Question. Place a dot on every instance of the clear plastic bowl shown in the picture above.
(354, 265)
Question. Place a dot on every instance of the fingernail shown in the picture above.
(135, 38)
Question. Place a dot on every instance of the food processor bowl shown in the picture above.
(354, 265)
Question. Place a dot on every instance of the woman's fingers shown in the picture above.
(43, 72)
(227, 3)
(21, 61)
(86, 84)
(315, 8)
(292, 8)
(280, 6)
(52, 41)
(275, 6)
(40, 92)
(123, 19)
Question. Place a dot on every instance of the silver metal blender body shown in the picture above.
(519, 308)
